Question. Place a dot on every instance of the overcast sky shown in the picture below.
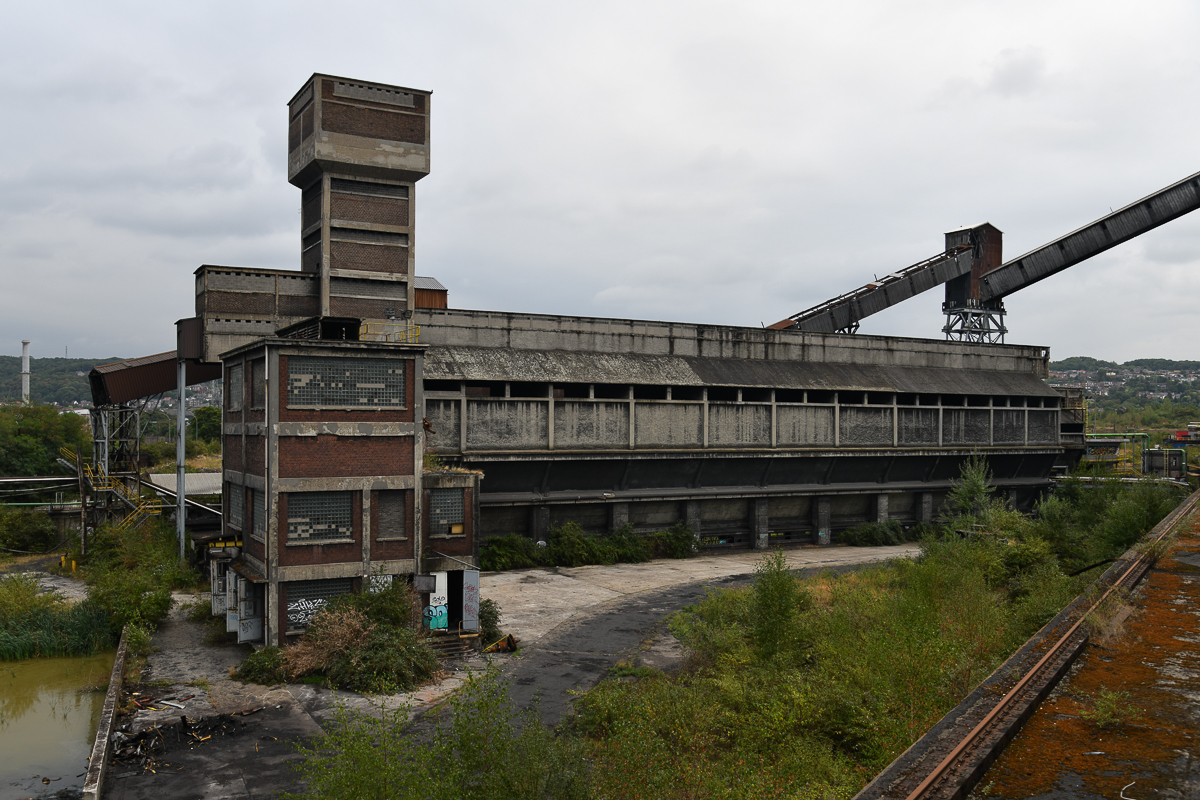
(729, 163)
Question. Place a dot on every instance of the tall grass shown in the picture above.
(33, 624)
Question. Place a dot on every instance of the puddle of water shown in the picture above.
(48, 718)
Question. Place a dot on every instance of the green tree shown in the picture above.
(207, 422)
(31, 435)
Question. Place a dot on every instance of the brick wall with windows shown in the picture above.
(256, 455)
(392, 518)
(297, 549)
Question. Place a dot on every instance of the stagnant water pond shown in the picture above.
(49, 709)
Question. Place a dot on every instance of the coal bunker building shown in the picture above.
(342, 375)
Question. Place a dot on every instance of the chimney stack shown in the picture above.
(25, 371)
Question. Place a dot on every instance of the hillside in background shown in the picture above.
(1094, 364)
(51, 380)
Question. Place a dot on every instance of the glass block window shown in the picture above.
(258, 384)
(393, 514)
(237, 511)
(259, 501)
(306, 598)
(445, 509)
(318, 516)
(233, 399)
(345, 382)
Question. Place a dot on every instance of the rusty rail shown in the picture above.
(955, 773)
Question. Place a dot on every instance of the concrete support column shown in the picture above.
(618, 515)
(881, 508)
(925, 507)
(821, 519)
(539, 523)
(759, 534)
(691, 515)
(1012, 498)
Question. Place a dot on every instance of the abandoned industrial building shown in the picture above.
(342, 376)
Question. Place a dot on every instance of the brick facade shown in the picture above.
(344, 456)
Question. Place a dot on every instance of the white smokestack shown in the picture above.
(25, 371)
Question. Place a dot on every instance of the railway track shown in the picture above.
(948, 761)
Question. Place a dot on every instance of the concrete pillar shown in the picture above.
(760, 536)
(539, 523)
(881, 508)
(618, 515)
(821, 519)
(1012, 498)
(691, 515)
(925, 507)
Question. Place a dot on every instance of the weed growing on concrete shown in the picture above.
(1109, 709)
(489, 620)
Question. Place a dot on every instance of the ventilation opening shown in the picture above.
(879, 398)
(612, 391)
(756, 395)
(650, 392)
(722, 394)
(687, 393)
(441, 386)
(789, 396)
(906, 400)
(820, 396)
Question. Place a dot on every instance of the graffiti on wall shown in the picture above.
(300, 612)
(436, 617)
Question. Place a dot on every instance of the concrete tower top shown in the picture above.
(357, 128)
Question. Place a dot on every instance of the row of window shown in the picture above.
(726, 394)
(329, 516)
(324, 382)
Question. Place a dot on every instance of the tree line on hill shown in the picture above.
(51, 380)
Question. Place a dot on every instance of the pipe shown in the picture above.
(25, 371)
(180, 451)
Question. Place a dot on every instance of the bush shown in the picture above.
(485, 750)
(778, 598)
(874, 534)
(569, 546)
(263, 666)
(27, 531)
(512, 551)
(363, 642)
(678, 541)
(489, 621)
(628, 547)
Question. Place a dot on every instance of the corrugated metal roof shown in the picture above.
(193, 482)
(570, 366)
(425, 282)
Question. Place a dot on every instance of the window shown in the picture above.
(259, 501)
(316, 382)
(258, 384)
(393, 515)
(306, 598)
(319, 516)
(446, 512)
(233, 398)
(236, 508)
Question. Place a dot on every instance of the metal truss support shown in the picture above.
(974, 323)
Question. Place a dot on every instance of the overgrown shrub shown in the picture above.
(486, 750)
(511, 551)
(27, 531)
(778, 599)
(570, 546)
(628, 547)
(874, 534)
(33, 623)
(489, 621)
(364, 642)
(678, 541)
(263, 666)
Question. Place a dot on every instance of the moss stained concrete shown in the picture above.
(1153, 655)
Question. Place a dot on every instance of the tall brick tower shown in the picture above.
(356, 151)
